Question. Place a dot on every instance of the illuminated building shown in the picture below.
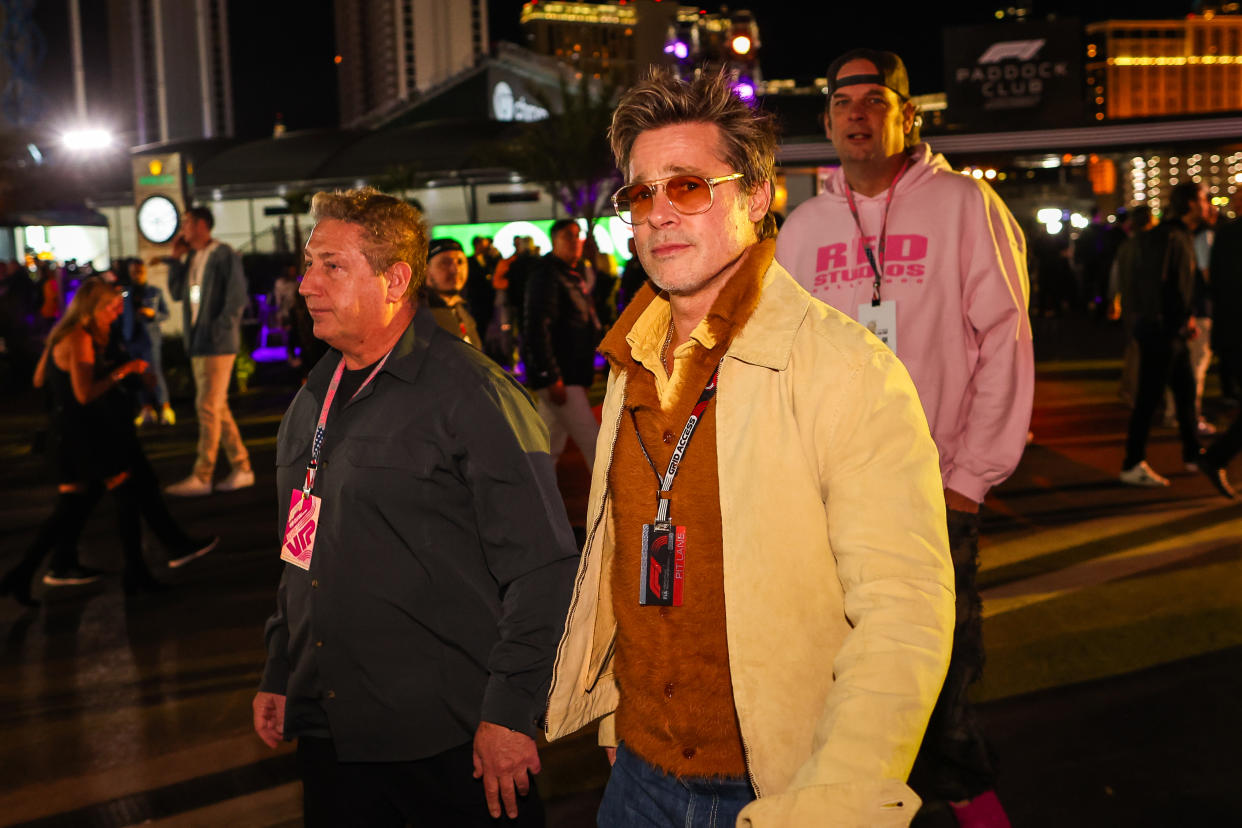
(621, 39)
(1151, 68)
(166, 92)
(389, 52)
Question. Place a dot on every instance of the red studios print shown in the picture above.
(842, 264)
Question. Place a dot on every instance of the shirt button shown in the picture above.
(332, 695)
(688, 753)
(668, 437)
(315, 583)
(668, 690)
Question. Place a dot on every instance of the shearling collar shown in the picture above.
(765, 338)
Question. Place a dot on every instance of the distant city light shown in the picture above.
(677, 49)
(744, 90)
(1079, 221)
(1047, 215)
(741, 44)
(87, 139)
(1054, 227)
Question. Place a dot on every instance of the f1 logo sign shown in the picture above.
(1011, 49)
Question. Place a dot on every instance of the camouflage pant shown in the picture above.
(954, 762)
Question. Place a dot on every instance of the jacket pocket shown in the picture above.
(417, 458)
(293, 450)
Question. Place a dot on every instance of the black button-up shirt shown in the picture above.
(443, 560)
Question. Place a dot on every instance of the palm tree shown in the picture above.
(567, 154)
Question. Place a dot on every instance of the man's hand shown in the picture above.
(502, 758)
(611, 753)
(269, 717)
(959, 502)
(557, 392)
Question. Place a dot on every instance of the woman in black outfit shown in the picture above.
(93, 447)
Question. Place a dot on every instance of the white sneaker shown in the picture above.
(196, 549)
(1142, 475)
(190, 487)
(237, 479)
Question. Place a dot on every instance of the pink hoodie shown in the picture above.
(956, 267)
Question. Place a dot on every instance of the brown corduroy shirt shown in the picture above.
(672, 663)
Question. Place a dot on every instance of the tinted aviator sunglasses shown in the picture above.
(689, 195)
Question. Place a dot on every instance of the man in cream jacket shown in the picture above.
(763, 611)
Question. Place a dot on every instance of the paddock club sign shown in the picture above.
(1005, 75)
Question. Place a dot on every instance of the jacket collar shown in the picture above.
(766, 339)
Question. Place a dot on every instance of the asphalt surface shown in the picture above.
(1113, 621)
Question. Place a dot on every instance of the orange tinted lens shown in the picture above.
(637, 199)
(689, 193)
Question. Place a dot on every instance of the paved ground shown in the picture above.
(1113, 624)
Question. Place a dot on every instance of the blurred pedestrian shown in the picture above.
(559, 337)
(480, 293)
(1226, 290)
(935, 264)
(92, 447)
(633, 277)
(145, 310)
(1157, 285)
(206, 276)
(428, 558)
(1138, 221)
(446, 276)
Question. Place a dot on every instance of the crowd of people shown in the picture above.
(778, 621)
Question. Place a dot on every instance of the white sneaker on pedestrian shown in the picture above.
(237, 479)
(190, 487)
(196, 549)
(1142, 475)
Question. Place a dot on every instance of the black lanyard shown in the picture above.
(679, 452)
(877, 267)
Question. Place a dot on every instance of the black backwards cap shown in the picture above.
(890, 72)
(437, 246)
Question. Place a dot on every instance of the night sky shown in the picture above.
(282, 50)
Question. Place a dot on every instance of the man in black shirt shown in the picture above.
(428, 556)
(559, 336)
(1157, 288)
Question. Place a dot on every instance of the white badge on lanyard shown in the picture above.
(298, 545)
(879, 315)
(881, 320)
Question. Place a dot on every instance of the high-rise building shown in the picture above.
(620, 39)
(389, 52)
(1149, 68)
(170, 69)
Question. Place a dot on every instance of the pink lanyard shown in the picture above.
(317, 445)
(876, 267)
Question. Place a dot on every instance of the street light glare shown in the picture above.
(87, 139)
(741, 44)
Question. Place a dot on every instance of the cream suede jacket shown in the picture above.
(837, 577)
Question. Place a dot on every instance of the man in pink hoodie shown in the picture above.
(935, 265)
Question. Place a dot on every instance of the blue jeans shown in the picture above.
(640, 795)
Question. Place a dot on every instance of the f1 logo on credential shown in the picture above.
(1012, 50)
